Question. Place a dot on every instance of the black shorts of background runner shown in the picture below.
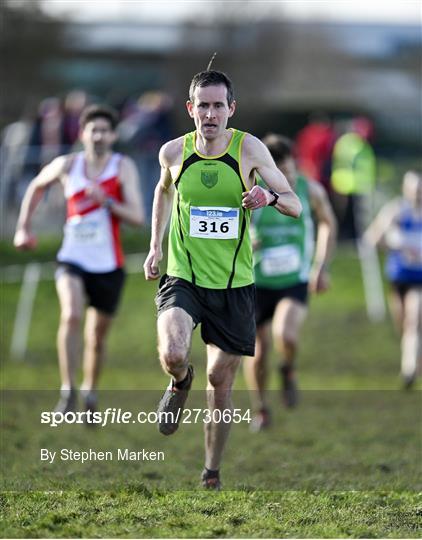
(267, 300)
(103, 290)
(402, 288)
(227, 316)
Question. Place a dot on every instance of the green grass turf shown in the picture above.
(346, 463)
(140, 513)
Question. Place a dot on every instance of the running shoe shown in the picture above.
(408, 381)
(170, 408)
(289, 390)
(211, 480)
(261, 420)
(90, 405)
(67, 401)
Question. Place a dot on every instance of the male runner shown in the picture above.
(101, 189)
(208, 178)
(285, 267)
(398, 227)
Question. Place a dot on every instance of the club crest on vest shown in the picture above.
(209, 178)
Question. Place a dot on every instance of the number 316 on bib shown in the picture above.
(214, 222)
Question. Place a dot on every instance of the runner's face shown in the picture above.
(210, 110)
(97, 136)
(288, 168)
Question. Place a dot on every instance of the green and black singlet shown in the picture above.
(209, 241)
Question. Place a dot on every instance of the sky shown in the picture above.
(367, 11)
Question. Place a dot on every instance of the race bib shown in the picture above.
(413, 248)
(85, 232)
(280, 260)
(214, 222)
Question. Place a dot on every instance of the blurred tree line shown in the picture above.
(33, 44)
(282, 71)
(28, 39)
(250, 67)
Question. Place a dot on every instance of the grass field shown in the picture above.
(346, 463)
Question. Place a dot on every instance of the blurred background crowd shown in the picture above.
(347, 92)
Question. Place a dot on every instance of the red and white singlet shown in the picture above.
(91, 233)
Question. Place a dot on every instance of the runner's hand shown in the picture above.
(319, 280)
(256, 198)
(96, 193)
(151, 264)
(24, 240)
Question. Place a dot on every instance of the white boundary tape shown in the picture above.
(31, 278)
(369, 262)
(372, 281)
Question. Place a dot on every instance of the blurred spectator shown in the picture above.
(353, 174)
(14, 139)
(314, 146)
(353, 167)
(49, 134)
(45, 141)
(27, 146)
(74, 103)
(145, 129)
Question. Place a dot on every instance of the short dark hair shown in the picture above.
(211, 78)
(280, 147)
(99, 111)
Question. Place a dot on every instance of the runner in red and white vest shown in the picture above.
(101, 189)
(91, 233)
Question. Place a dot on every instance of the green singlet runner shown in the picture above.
(209, 242)
(285, 245)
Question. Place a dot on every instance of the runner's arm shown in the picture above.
(377, 231)
(325, 237)
(258, 155)
(49, 175)
(161, 210)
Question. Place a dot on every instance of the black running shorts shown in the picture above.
(402, 288)
(267, 300)
(103, 290)
(227, 316)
